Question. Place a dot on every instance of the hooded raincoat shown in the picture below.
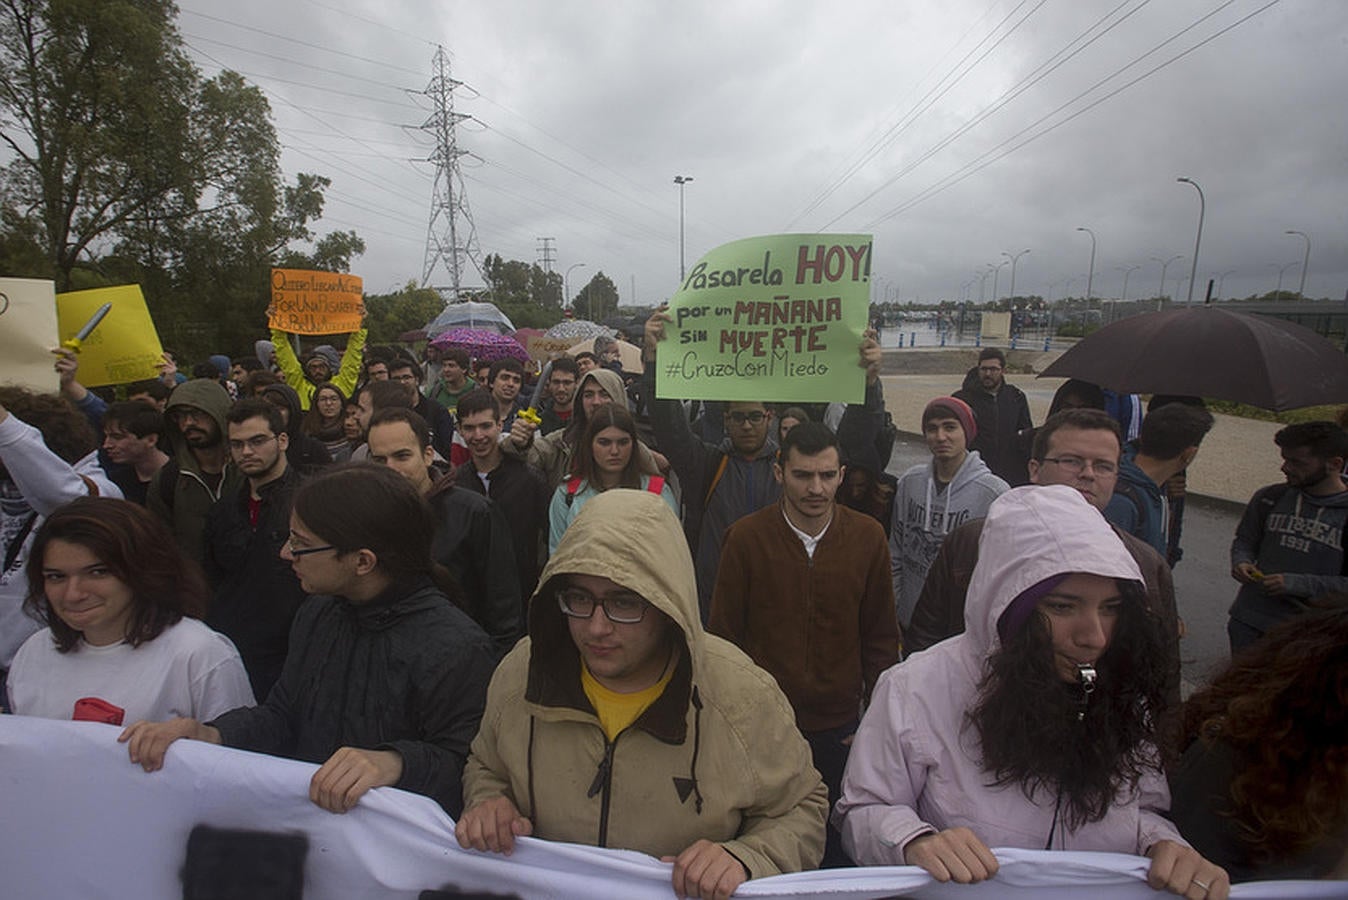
(923, 517)
(717, 756)
(914, 765)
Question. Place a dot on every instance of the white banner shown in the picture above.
(77, 819)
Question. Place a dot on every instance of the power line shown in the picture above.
(997, 153)
(294, 62)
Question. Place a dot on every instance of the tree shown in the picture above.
(410, 309)
(529, 295)
(597, 300)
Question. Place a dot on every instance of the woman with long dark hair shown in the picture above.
(606, 457)
(1036, 728)
(385, 680)
(123, 641)
(325, 420)
(1262, 787)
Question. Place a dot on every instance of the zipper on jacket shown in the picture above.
(603, 781)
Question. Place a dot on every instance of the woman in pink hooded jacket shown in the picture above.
(1036, 727)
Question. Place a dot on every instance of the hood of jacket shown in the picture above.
(292, 402)
(203, 394)
(633, 538)
(607, 379)
(1033, 533)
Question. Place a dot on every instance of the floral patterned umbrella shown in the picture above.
(483, 346)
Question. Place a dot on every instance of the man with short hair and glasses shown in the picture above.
(1079, 448)
(621, 723)
(1003, 417)
(255, 593)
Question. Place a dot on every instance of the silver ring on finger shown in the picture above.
(1202, 884)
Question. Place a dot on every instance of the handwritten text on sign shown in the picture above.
(776, 318)
(305, 302)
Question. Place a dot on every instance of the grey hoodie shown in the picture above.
(923, 517)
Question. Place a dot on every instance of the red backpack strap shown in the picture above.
(572, 488)
(656, 484)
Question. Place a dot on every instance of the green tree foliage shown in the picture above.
(597, 300)
(389, 315)
(128, 166)
(529, 295)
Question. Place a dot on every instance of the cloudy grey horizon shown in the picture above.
(955, 132)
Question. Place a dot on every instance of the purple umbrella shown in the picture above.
(484, 346)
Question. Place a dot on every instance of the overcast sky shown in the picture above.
(908, 119)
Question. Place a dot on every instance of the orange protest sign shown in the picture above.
(307, 302)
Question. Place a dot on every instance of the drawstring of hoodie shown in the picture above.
(945, 521)
(697, 745)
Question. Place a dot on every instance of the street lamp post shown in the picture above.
(1165, 264)
(681, 180)
(1126, 270)
(1305, 263)
(566, 283)
(1090, 276)
(996, 274)
(1202, 208)
(983, 285)
(1013, 268)
(1281, 269)
(1221, 279)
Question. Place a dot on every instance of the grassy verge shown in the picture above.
(1286, 417)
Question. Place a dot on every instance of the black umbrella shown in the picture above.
(1207, 351)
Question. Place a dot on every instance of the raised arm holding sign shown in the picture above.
(317, 303)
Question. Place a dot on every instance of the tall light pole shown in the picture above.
(1202, 208)
(983, 284)
(1126, 270)
(1013, 268)
(566, 283)
(1221, 278)
(1165, 264)
(996, 274)
(681, 180)
(1281, 269)
(1090, 276)
(1305, 263)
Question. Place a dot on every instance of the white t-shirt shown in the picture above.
(189, 670)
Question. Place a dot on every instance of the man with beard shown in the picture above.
(1003, 417)
(555, 410)
(1045, 732)
(200, 472)
(1289, 544)
(472, 536)
(804, 589)
(256, 592)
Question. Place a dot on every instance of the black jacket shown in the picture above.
(1004, 428)
(306, 453)
(440, 422)
(256, 592)
(472, 540)
(406, 671)
(521, 493)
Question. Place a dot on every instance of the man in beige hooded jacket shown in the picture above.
(710, 774)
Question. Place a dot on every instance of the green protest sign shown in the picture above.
(773, 318)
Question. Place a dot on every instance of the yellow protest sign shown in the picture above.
(543, 348)
(27, 332)
(125, 345)
(307, 302)
(772, 318)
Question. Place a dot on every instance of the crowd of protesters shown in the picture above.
(717, 632)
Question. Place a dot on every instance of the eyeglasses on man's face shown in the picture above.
(753, 418)
(256, 442)
(298, 552)
(1076, 465)
(624, 608)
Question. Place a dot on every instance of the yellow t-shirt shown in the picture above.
(617, 711)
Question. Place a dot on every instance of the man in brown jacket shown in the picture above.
(804, 588)
(1079, 448)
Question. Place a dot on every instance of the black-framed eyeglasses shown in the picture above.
(297, 552)
(753, 418)
(623, 609)
(256, 442)
(1076, 465)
